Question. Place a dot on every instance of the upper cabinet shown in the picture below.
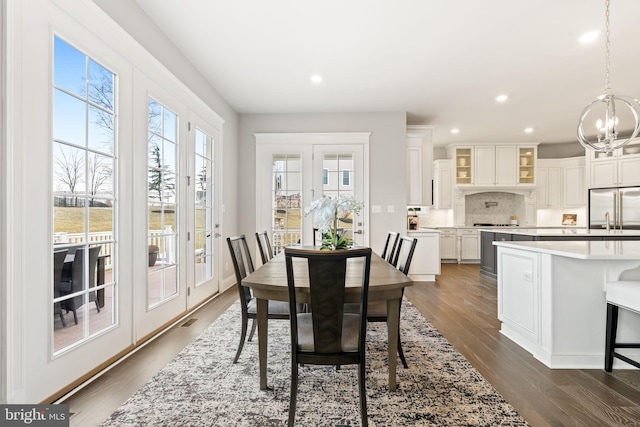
(419, 152)
(464, 165)
(561, 183)
(442, 184)
(494, 165)
(619, 168)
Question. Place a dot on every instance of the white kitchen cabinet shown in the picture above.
(507, 165)
(574, 191)
(414, 175)
(425, 264)
(443, 184)
(619, 168)
(561, 183)
(468, 244)
(549, 184)
(419, 161)
(448, 239)
(485, 161)
(464, 165)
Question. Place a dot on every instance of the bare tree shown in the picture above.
(99, 174)
(70, 170)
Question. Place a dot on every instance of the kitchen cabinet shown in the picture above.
(468, 245)
(426, 257)
(506, 165)
(414, 175)
(443, 184)
(618, 168)
(574, 191)
(488, 252)
(495, 165)
(561, 183)
(419, 161)
(549, 190)
(463, 158)
(448, 239)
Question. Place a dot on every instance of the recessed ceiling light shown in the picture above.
(528, 130)
(589, 37)
(455, 130)
(501, 98)
(316, 78)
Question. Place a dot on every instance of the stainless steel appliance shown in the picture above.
(619, 207)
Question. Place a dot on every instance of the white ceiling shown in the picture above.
(443, 62)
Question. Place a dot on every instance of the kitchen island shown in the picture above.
(488, 252)
(551, 298)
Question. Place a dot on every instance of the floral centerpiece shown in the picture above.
(326, 212)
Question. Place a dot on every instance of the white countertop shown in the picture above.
(593, 249)
(424, 230)
(578, 231)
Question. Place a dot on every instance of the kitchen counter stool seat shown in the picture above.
(626, 295)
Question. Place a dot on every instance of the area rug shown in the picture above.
(202, 387)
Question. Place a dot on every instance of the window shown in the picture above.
(83, 164)
(346, 177)
(286, 197)
(161, 200)
(325, 176)
(204, 205)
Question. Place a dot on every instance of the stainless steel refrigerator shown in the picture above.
(620, 204)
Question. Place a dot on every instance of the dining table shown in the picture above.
(386, 283)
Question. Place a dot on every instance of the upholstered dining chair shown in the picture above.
(326, 335)
(76, 282)
(58, 264)
(377, 310)
(390, 246)
(243, 266)
(266, 253)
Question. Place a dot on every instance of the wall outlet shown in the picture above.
(391, 208)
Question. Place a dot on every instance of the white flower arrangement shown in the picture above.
(326, 212)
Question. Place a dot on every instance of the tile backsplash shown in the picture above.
(491, 207)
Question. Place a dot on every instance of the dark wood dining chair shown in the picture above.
(243, 266)
(76, 282)
(58, 264)
(377, 310)
(327, 335)
(266, 252)
(390, 246)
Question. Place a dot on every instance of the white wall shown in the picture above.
(387, 162)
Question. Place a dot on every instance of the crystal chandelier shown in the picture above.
(607, 123)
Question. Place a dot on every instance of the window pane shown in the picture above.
(101, 86)
(170, 122)
(100, 177)
(69, 118)
(101, 137)
(68, 169)
(69, 68)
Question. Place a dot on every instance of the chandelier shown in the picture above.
(608, 119)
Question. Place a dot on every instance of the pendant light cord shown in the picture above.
(607, 86)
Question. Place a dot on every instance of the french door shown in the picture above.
(294, 169)
(204, 223)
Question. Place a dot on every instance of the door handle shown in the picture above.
(358, 232)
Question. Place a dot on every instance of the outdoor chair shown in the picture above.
(58, 264)
(76, 282)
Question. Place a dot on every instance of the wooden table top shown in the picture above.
(270, 280)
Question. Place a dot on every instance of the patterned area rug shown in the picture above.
(201, 387)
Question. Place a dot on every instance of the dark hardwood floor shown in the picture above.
(461, 304)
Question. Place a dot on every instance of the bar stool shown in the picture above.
(626, 295)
